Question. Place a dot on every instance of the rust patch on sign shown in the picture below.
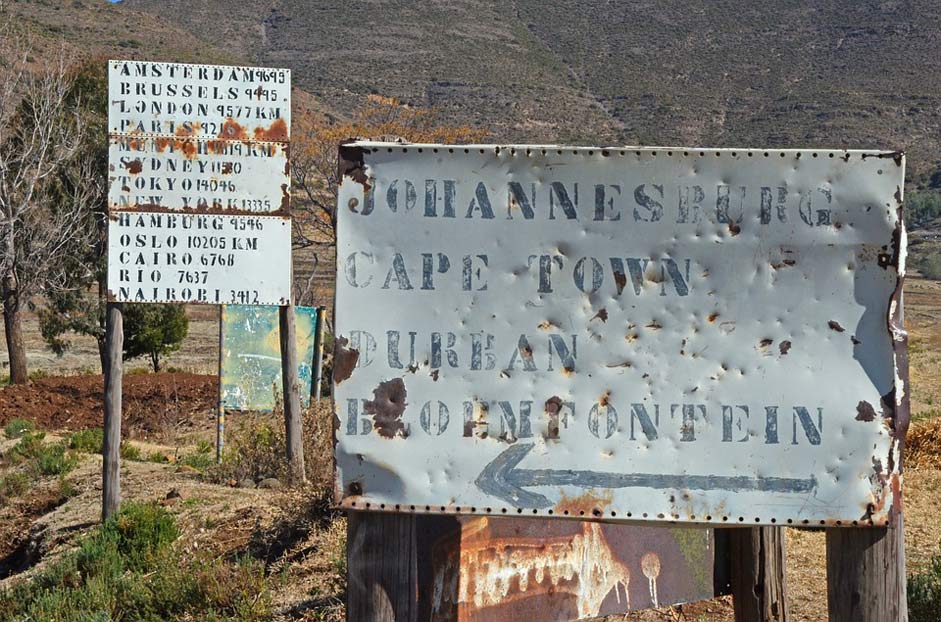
(834, 325)
(620, 280)
(231, 130)
(387, 408)
(784, 347)
(601, 315)
(134, 167)
(344, 360)
(352, 164)
(865, 411)
(589, 503)
(552, 409)
(276, 132)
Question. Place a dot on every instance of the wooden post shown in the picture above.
(111, 448)
(758, 574)
(866, 573)
(317, 378)
(293, 422)
(220, 412)
(382, 567)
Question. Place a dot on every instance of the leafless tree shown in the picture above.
(44, 205)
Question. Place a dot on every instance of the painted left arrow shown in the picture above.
(503, 480)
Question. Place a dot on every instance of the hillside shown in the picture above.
(834, 74)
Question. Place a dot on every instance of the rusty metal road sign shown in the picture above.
(625, 334)
(199, 183)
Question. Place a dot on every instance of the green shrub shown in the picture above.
(54, 459)
(158, 457)
(43, 459)
(29, 447)
(202, 458)
(15, 428)
(130, 452)
(924, 593)
(929, 266)
(255, 452)
(141, 532)
(89, 440)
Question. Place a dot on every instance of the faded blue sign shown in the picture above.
(250, 377)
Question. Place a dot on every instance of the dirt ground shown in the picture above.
(294, 529)
(155, 406)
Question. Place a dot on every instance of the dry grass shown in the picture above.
(923, 445)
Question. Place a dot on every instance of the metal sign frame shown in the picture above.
(641, 334)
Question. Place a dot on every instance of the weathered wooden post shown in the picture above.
(220, 406)
(758, 573)
(293, 419)
(317, 375)
(866, 574)
(382, 567)
(111, 447)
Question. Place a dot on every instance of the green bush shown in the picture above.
(255, 452)
(130, 452)
(29, 447)
(154, 330)
(89, 440)
(158, 457)
(141, 533)
(42, 458)
(202, 458)
(924, 593)
(929, 266)
(15, 428)
(55, 460)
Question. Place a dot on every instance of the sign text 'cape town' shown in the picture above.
(621, 334)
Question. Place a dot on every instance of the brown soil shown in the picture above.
(153, 404)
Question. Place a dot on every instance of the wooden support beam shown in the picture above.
(382, 567)
(111, 447)
(293, 419)
(866, 573)
(758, 590)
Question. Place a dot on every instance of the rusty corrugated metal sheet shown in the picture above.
(482, 569)
(660, 334)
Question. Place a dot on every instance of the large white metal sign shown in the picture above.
(199, 184)
(624, 334)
